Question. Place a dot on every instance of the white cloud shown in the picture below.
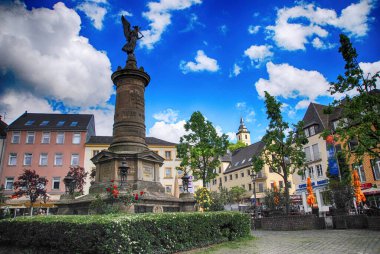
(223, 29)
(295, 35)
(302, 104)
(250, 117)
(253, 29)
(370, 69)
(168, 116)
(236, 71)
(193, 22)
(231, 136)
(94, 12)
(241, 105)
(168, 131)
(159, 15)
(124, 13)
(258, 54)
(202, 63)
(290, 82)
(43, 49)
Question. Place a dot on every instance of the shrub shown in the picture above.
(143, 233)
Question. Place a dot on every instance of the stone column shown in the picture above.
(129, 119)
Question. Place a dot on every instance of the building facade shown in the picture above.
(170, 178)
(48, 144)
(3, 136)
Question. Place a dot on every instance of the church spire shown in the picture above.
(243, 134)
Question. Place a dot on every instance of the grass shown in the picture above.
(231, 245)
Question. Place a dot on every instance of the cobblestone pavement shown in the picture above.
(310, 242)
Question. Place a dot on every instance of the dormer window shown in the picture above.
(44, 123)
(60, 123)
(30, 122)
(310, 131)
(73, 124)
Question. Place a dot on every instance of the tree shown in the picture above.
(283, 150)
(29, 183)
(233, 147)
(237, 193)
(360, 113)
(79, 175)
(201, 148)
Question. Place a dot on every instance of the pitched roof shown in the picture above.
(3, 127)
(241, 158)
(40, 122)
(106, 140)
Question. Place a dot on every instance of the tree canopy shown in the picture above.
(201, 148)
(283, 151)
(239, 144)
(361, 112)
(29, 183)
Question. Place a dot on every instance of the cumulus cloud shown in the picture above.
(258, 54)
(159, 15)
(43, 50)
(202, 63)
(253, 29)
(290, 82)
(231, 136)
(302, 104)
(124, 13)
(292, 35)
(193, 22)
(370, 69)
(94, 11)
(235, 71)
(168, 131)
(168, 116)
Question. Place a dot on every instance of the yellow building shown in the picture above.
(236, 166)
(167, 150)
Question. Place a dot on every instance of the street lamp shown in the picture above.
(33, 196)
(185, 182)
(123, 170)
(254, 177)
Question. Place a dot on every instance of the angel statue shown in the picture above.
(131, 35)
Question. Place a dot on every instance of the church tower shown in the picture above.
(243, 134)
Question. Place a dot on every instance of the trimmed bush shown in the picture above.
(143, 233)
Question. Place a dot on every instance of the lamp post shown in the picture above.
(185, 182)
(69, 182)
(254, 177)
(123, 170)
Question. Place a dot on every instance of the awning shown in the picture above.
(371, 191)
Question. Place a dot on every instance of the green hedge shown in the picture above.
(143, 233)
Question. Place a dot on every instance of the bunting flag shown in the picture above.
(357, 190)
(310, 197)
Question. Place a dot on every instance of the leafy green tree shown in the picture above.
(201, 148)
(283, 150)
(360, 113)
(237, 193)
(80, 175)
(233, 147)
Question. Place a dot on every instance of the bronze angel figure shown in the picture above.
(131, 35)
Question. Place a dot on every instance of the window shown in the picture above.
(306, 132)
(73, 124)
(272, 185)
(249, 186)
(168, 155)
(44, 123)
(242, 174)
(261, 187)
(60, 123)
(27, 159)
(180, 172)
(220, 181)
(168, 173)
(12, 159)
(311, 172)
(312, 130)
(16, 137)
(319, 170)
(225, 178)
(316, 153)
(243, 186)
(60, 138)
(303, 176)
(260, 174)
(307, 153)
(353, 144)
(55, 183)
(168, 189)
(236, 176)
(45, 138)
(95, 152)
(376, 168)
(361, 173)
(76, 138)
(74, 159)
(281, 184)
(220, 170)
(231, 177)
(58, 159)
(30, 137)
(335, 124)
(30, 122)
(270, 170)
(9, 183)
(43, 159)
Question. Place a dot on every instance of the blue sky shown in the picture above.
(212, 56)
